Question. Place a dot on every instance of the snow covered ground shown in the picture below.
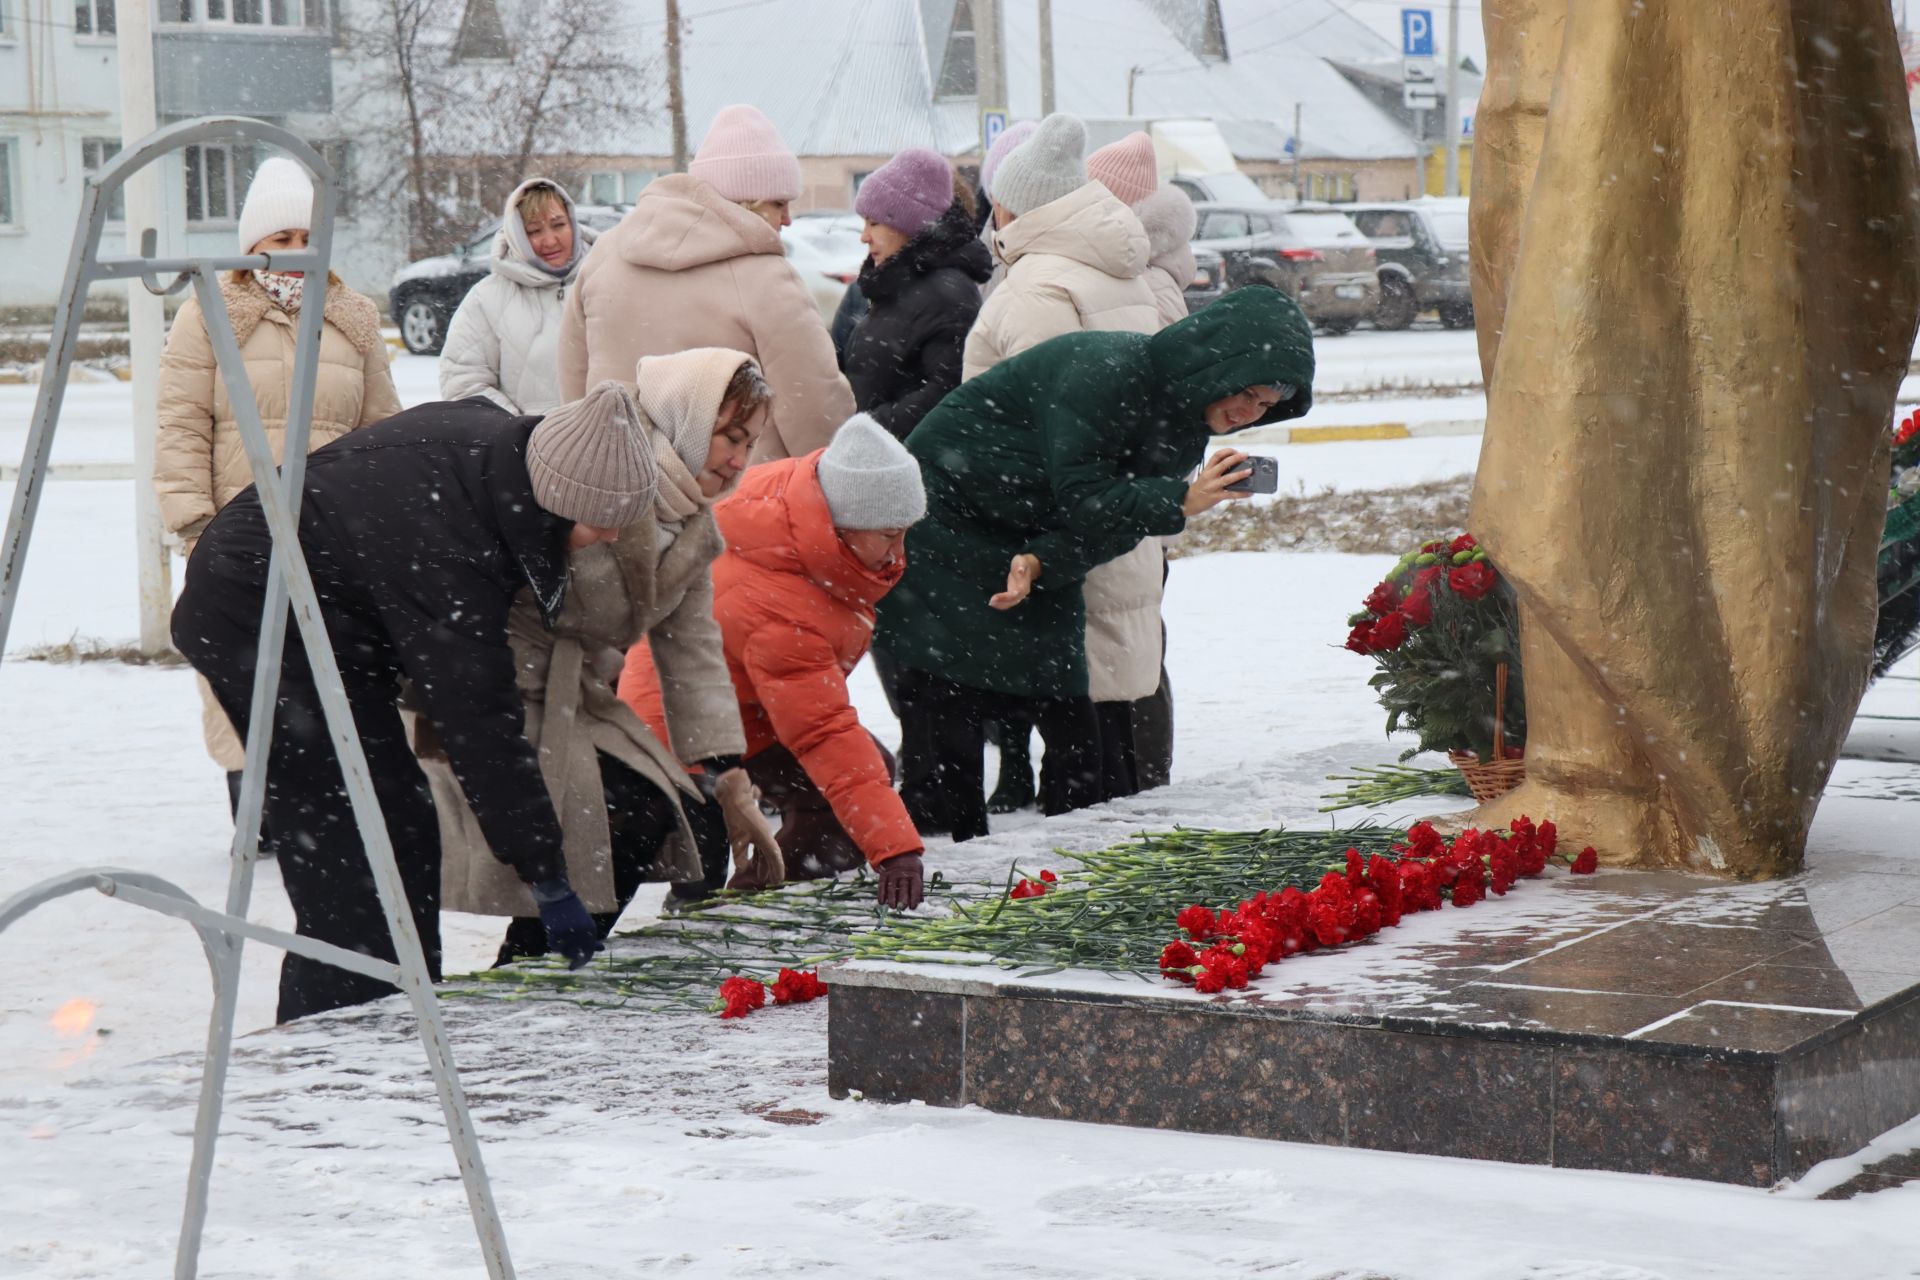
(643, 1144)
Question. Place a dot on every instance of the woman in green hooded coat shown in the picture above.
(1052, 462)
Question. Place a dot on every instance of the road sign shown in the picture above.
(1419, 97)
(1416, 33)
(992, 125)
(1417, 71)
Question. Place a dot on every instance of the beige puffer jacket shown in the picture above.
(1072, 265)
(199, 462)
(687, 268)
(1169, 218)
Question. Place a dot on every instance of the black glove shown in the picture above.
(570, 930)
(902, 882)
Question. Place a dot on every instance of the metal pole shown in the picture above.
(989, 63)
(1298, 194)
(1453, 97)
(676, 94)
(1420, 149)
(146, 316)
(1046, 60)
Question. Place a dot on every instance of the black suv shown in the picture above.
(1422, 248)
(426, 293)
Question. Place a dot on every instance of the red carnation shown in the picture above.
(1464, 542)
(1175, 959)
(741, 996)
(1549, 838)
(1390, 632)
(1356, 869)
(1419, 606)
(1435, 547)
(1425, 577)
(1198, 921)
(1049, 877)
(1383, 600)
(1424, 842)
(1505, 869)
(795, 987)
(1027, 889)
(1211, 979)
(1587, 863)
(1471, 581)
(1360, 639)
(1470, 886)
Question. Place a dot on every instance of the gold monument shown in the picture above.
(1692, 327)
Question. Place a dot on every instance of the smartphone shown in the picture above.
(1265, 477)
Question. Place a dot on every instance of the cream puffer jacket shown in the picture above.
(199, 462)
(1072, 265)
(1077, 264)
(1169, 217)
(503, 342)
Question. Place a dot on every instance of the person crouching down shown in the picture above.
(813, 543)
(419, 532)
(628, 811)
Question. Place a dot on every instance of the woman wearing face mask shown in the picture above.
(698, 262)
(628, 811)
(199, 461)
(813, 544)
(504, 340)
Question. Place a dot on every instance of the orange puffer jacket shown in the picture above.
(795, 609)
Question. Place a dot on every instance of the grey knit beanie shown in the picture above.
(588, 460)
(1049, 165)
(870, 479)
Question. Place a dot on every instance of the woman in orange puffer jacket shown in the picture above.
(813, 543)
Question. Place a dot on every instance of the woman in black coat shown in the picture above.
(921, 283)
(418, 532)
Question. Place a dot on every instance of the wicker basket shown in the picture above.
(1492, 779)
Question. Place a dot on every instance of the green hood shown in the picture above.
(1255, 336)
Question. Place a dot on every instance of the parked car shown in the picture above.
(1422, 250)
(426, 293)
(1312, 251)
(1229, 187)
(824, 247)
(1209, 283)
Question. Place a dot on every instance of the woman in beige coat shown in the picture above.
(199, 461)
(628, 811)
(1076, 259)
(698, 262)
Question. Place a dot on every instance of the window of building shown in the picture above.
(174, 11)
(483, 37)
(94, 154)
(215, 182)
(614, 186)
(94, 18)
(292, 14)
(957, 67)
(8, 216)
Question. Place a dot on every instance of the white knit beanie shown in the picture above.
(870, 479)
(1047, 166)
(280, 198)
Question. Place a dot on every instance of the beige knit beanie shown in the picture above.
(588, 460)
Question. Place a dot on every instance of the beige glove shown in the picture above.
(757, 863)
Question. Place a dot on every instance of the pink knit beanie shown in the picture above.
(744, 158)
(1127, 168)
(908, 192)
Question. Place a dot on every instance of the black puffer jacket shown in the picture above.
(904, 355)
(419, 532)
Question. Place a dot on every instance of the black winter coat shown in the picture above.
(905, 354)
(419, 532)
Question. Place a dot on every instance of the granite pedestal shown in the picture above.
(1644, 1022)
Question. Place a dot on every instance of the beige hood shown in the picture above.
(1090, 226)
(682, 221)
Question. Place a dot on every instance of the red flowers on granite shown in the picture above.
(740, 995)
(1028, 888)
(1356, 900)
(1587, 863)
(796, 987)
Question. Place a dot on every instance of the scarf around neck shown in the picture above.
(678, 497)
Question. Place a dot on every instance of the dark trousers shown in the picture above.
(949, 792)
(323, 862)
(813, 841)
(1136, 743)
(639, 820)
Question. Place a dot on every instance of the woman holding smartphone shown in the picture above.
(1049, 464)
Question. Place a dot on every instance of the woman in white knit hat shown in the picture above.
(698, 262)
(629, 811)
(813, 544)
(199, 461)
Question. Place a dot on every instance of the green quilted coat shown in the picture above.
(1073, 451)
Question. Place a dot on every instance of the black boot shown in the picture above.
(1015, 790)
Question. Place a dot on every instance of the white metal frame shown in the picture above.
(224, 932)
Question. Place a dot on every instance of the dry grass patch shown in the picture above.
(1367, 521)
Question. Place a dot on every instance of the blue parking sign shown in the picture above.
(1416, 33)
(993, 124)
